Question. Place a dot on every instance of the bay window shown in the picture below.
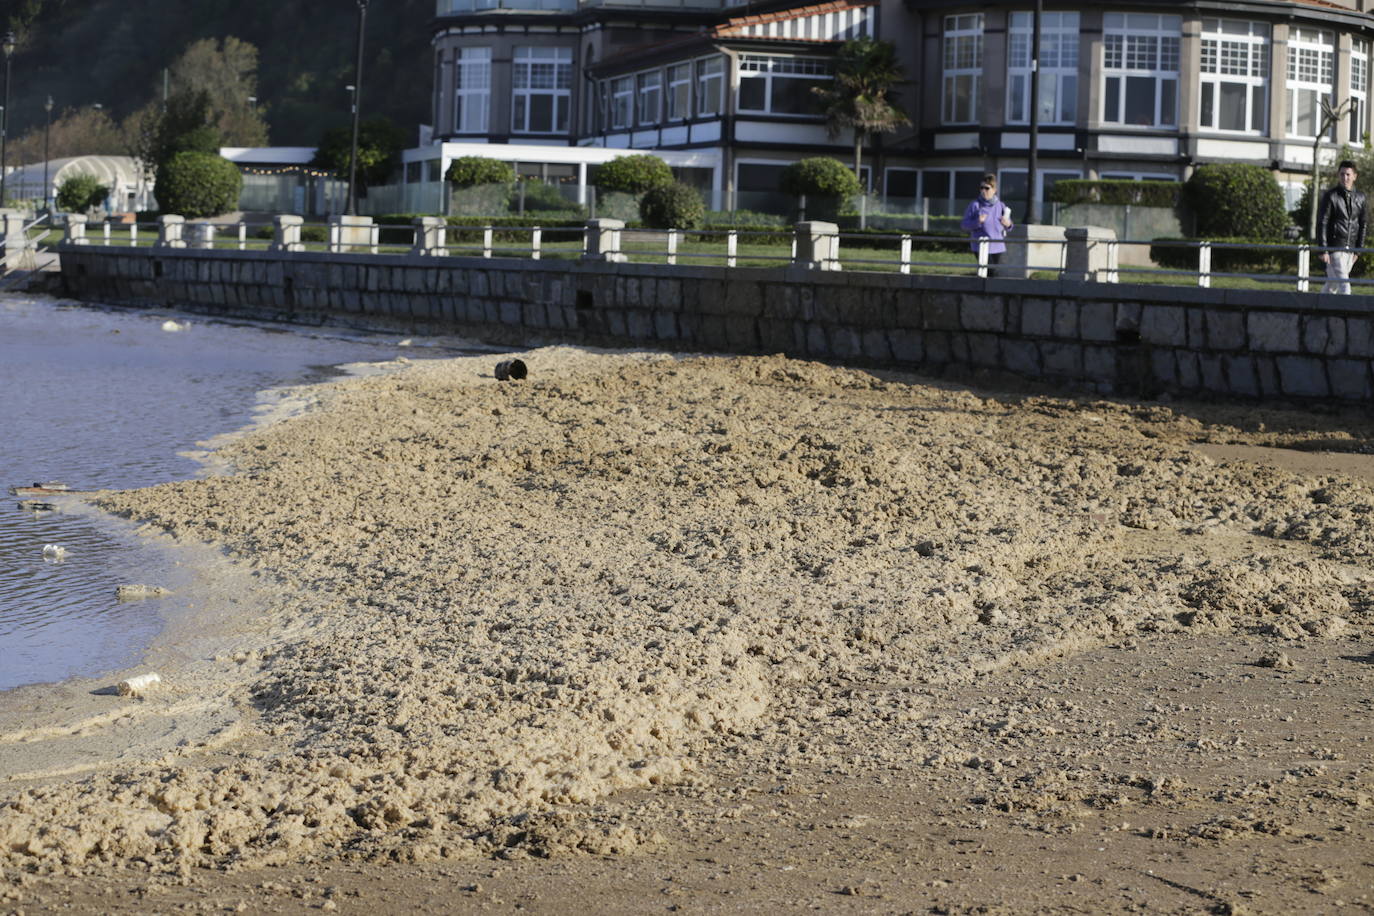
(1311, 78)
(963, 68)
(710, 86)
(622, 101)
(1058, 68)
(650, 90)
(1359, 89)
(541, 90)
(679, 92)
(1235, 76)
(1140, 69)
(471, 90)
(781, 85)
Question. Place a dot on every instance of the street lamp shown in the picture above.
(253, 103)
(47, 125)
(357, 103)
(5, 118)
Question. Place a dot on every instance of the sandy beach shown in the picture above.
(646, 632)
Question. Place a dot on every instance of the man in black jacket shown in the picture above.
(1341, 223)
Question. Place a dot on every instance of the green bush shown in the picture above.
(541, 198)
(819, 177)
(633, 174)
(672, 206)
(1235, 200)
(1225, 260)
(80, 193)
(1116, 192)
(197, 185)
(469, 171)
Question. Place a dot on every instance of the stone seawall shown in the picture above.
(1105, 337)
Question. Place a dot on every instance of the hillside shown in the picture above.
(112, 53)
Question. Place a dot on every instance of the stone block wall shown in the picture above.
(1103, 337)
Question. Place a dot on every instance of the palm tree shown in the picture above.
(858, 98)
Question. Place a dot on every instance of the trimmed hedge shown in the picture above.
(1235, 200)
(80, 193)
(469, 171)
(1226, 260)
(197, 185)
(672, 206)
(1117, 192)
(632, 174)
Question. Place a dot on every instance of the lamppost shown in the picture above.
(1032, 166)
(5, 119)
(357, 103)
(47, 125)
(253, 104)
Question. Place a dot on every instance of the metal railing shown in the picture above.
(817, 246)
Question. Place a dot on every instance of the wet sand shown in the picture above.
(723, 633)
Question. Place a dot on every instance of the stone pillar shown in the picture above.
(818, 245)
(429, 237)
(603, 240)
(1031, 248)
(76, 230)
(348, 231)
(169, 230)
(287, 236)
(19, 253)
(202, 235)
(1090, 254)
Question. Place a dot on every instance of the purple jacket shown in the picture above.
(991, 227)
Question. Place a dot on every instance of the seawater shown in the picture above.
(104, 398)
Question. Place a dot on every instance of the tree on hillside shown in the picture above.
(74, 132)
(379, 151)
(859, 98)
(227, 73)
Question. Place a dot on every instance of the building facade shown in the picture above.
(1127, 89)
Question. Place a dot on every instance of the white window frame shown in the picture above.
(622, 110)
(963, 67)
(1059, 40)
(1137, 176)
(1359, 89)
(648, 97)
(1141, 48)
(678, 98)
(772, 69)
(472, 91)
(539, 71)
(1235, 55)
(709, 77)
(1312, 71)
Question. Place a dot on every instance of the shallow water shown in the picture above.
(108, 399)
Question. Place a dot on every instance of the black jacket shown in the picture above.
(1342, 218)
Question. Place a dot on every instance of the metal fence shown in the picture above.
(813, 245)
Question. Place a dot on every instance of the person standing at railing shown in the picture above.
(987, 218)
(1341, 222)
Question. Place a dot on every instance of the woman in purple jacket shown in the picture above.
(987, 218)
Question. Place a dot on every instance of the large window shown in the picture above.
(679, 92)
(963, 68)
(541, 81)
(1311, 78)
(781, 85)
(1058, 68)
(1140, 69)
(648, 96)
(1359, 89)
(948, 191)
(1235, 75)
(622, 101)
(471, 90)
(710, 86)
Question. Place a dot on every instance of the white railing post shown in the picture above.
(536, 243)
(1304, 267)
(983, 246)
(133, 234)
(374, 236)
(487, 235)
(105, 232)
(672, 245)
(1204, 265)
(243, 236)
(731, 247)
(906, 254)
